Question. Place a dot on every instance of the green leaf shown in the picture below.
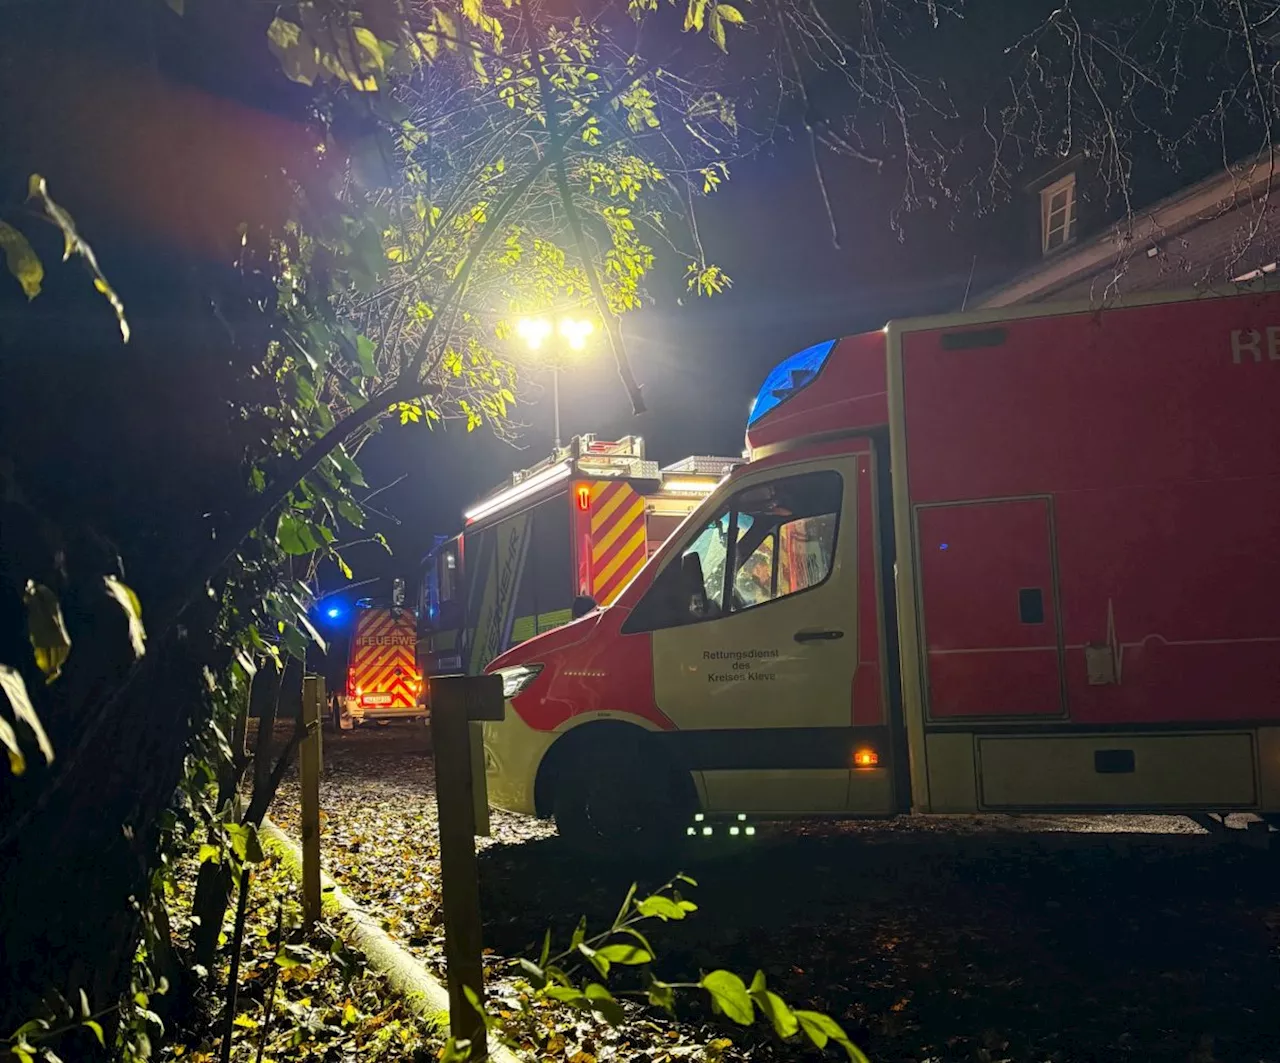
(626, 906)
(729, 996)
(352, 512)
(820, 1029)
(128, 601)
(546, 949)
(601, 1001)
(310, 629)
(566, 994)
(365, 351)
(292, 956)
(660, 907)
(348, 468)
(97, 1031)
(294, 49)
(536, 975)
(244, 842)
(341, 562)
(46, 629)
(579, 934)
(599, 962)
(774, 1008)
(37, 188)
(730, 14)
(661, 995)
(16, 691)
(21, 259)
(294, 537)
(210, 854)
(626, 953)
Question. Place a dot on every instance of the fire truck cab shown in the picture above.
(1005, 561)
(555, 541)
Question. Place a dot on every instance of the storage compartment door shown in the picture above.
(989, 610)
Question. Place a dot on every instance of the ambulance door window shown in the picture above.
(784, 542)
(786, 538)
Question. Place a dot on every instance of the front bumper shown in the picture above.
(513, 752)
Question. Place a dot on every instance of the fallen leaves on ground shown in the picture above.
(1036, 940)
(327, 1004)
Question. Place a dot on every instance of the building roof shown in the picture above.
(1218, 194)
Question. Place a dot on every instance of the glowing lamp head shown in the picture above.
(333, 612)
(866, 758)
(575, 333)
(534, 331)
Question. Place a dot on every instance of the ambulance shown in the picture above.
(568, 533)
(384, 681)
(1011, 561)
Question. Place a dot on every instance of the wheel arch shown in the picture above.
(578, 737)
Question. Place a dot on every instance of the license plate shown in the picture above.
(376, 699)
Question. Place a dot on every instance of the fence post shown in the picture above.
(457, 704)
(309, 777)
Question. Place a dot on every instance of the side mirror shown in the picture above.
(397, 593)
(582, 605)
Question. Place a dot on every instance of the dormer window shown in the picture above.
(1058, 214)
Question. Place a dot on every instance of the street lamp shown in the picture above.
(537, 331)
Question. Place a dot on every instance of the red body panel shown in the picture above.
(589, 666)
(1160, 455)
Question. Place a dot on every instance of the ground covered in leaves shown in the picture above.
(1032, 940)
(301, 996)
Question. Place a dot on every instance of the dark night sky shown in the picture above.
(701, 362)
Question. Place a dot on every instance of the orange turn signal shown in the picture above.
(866, 758)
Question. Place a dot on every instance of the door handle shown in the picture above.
(818, 636)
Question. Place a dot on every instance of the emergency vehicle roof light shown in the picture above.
(518, 492)
(690, 487)
(788, 377)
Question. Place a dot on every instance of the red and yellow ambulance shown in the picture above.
(1009, 561)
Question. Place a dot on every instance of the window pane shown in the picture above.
(790, 542)
(807, 549)
(711, 547)
(797, 514)
(753, 583)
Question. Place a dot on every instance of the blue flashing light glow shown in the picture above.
(333, 612)
(788, 377)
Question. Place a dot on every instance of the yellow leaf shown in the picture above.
(16, 691)
(21, 259)
(128, 601)
(730, 14)
(46, 629)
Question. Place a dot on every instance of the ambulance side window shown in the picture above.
(783, 536)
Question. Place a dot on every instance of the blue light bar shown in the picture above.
(788, 377)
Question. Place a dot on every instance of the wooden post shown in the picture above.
(313, 689)
(309, 776)
(456, 701)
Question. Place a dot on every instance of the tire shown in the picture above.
(616, 796)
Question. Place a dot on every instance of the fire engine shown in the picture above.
(1011, 561)
(568, 533)
(383, 678)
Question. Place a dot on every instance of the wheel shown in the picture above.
(617, 796)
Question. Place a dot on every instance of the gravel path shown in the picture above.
(933, 939)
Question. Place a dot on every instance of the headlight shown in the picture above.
(516, 679)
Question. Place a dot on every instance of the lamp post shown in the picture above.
(536, 331)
